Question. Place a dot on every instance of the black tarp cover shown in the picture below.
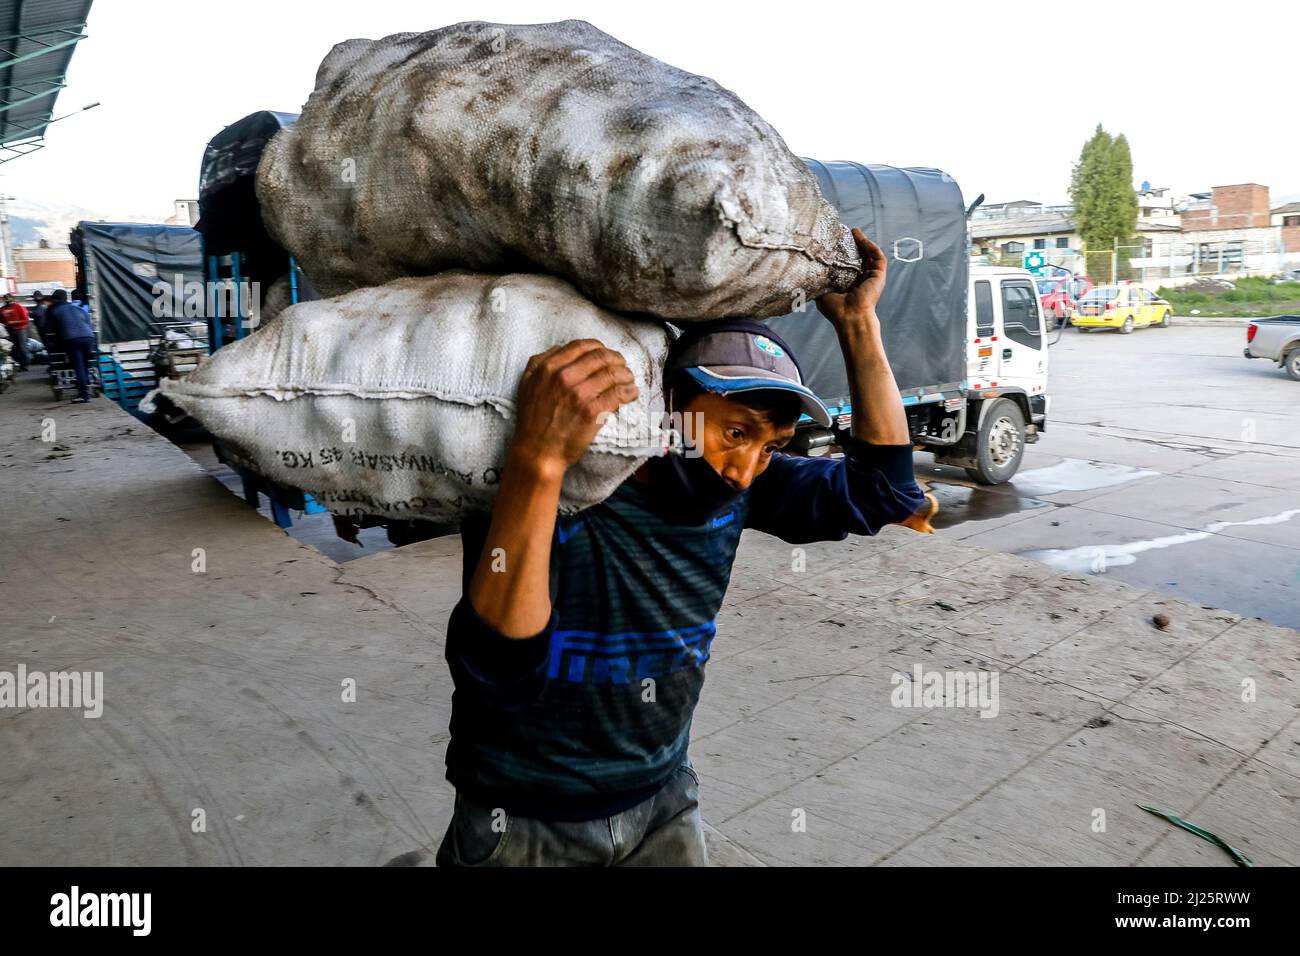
(230, 218)
(233, 154)
(122, 261)
(923, 311)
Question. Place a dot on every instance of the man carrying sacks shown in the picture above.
(578, 647)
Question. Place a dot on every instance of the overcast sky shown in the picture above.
(999, 94)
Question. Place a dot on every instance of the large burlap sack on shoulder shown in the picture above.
(399, 400)
(486, 145)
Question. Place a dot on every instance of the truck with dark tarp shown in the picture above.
(135, 277)
(967, 345)
(239, 254)
(237, 249)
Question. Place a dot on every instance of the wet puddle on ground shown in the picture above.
(1075, 474)
(1096, 558)
(960, 503)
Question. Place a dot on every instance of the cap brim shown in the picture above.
(733, 379)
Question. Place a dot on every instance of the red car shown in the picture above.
(1060, 295)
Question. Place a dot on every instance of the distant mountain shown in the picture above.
(31, 221)
(22, 231)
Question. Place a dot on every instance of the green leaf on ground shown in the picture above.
(1240, 858)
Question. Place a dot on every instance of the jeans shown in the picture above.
(664, 830)
(80, 352)
(19, 338)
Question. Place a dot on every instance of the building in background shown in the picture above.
(1017, 207)
(1243, 206)
(1228, 230)
(185, 212)
(1287, 218)
(42, 264)
(1006, 240)
(1157, 204)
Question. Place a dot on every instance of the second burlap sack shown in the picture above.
(399, 400)
(553, 148)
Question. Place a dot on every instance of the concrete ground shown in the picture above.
(226, 737)
(1170, 462)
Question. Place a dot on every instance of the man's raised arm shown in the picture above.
(820, 499)
(563, 394)
(878, 415)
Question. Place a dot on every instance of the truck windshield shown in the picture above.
(1045, 286)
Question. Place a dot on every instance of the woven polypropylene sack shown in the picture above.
(487, 146)
(399, 400)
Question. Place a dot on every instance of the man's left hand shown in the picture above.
(858, 304)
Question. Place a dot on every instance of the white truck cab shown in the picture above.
(1007, 338)
(1006, 375)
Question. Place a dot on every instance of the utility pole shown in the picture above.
(5, 255)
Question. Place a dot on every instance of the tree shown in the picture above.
(1101, 188)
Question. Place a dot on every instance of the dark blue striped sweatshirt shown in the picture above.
(593, 714)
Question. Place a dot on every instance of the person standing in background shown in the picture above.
(37, 315)
(49, 333)
(14, 316)
(72, 324)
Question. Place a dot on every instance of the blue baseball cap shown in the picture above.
(733, 356)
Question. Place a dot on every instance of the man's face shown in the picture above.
(737, 441)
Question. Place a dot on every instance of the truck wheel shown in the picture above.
(1127, 327)
(1292, 364)
(1000, 444)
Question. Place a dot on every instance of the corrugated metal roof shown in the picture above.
(1045, 226)
(1020, 226)
(37, 38)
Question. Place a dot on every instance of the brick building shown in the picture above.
(45, 264)
(1287, 218)
(1233, 229)
(1244, 206)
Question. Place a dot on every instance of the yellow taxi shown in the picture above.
(1122, 307)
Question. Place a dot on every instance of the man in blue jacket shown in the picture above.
(77, 336)
(578, 648)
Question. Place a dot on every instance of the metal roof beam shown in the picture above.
(41, 52)
(6, 107)
(72, 26)
(9, 134)
(43, 78)
(53, 79)
(20, 150)
(19, 131)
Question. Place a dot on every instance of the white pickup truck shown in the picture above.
(1277, 339)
